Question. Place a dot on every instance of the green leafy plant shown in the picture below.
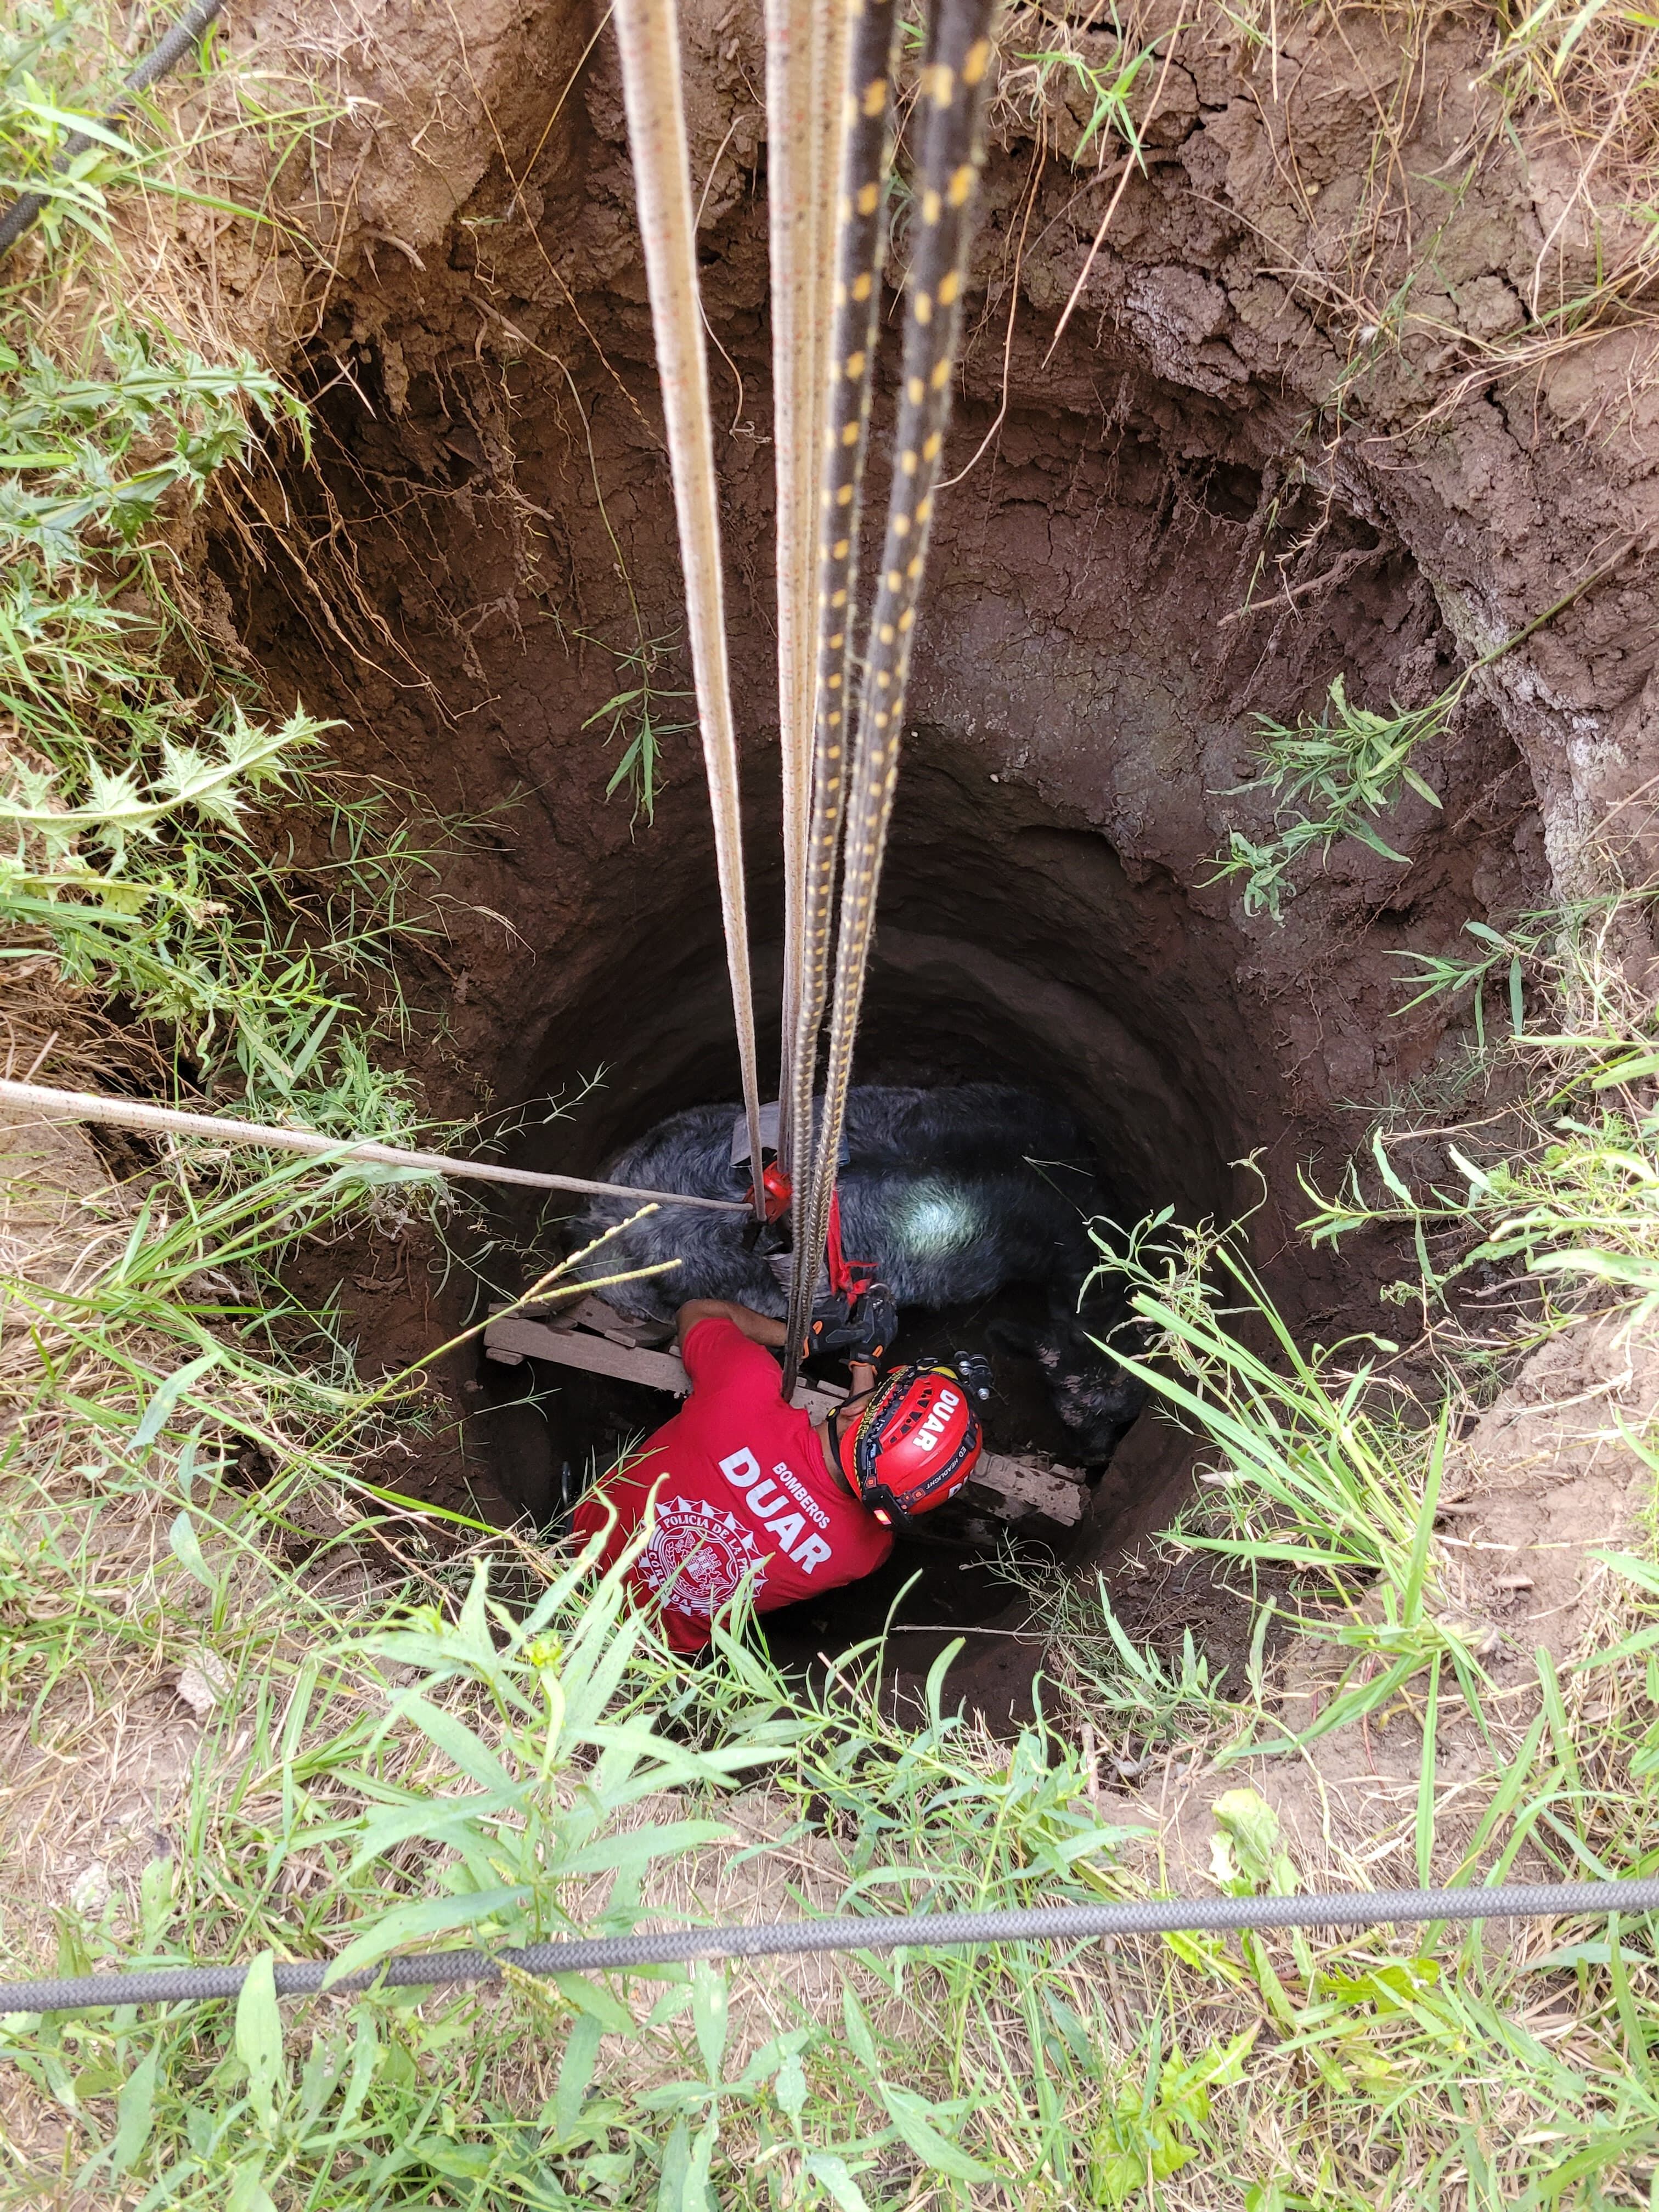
(116, 809)
(1148, 2132)
(62, 73)
(1304, 1440)
(1105, 89)
(1316, 1476)
(1582, 1205)
(67, 441)
(1346, 769)
(1562, 1188)
(1120, 1684)
(635, 714)
(1442, 976)
(1349, 769)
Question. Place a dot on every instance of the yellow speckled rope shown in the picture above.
(648, 35)
(948, 108)
(832, 29)
(860, 243)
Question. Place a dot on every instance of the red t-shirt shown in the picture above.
(745, 1492)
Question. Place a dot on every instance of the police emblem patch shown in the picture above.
(697, 1556)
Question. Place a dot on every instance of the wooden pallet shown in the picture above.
(600, 1341)
(516, 1339)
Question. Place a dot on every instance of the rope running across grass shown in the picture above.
(918, 1931)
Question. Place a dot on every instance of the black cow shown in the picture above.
(950, 1195)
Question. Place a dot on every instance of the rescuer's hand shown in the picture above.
(758, 1327)
(860, 1329)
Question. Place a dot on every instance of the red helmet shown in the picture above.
(916, 1442)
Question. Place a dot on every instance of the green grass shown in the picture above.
(510, 1771)
(1103, 89)
(1559, 1187)
(1320, 1473)
(418, 1730)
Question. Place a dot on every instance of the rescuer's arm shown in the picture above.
(758, 1327)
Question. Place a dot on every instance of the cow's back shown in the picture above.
(950, 1193)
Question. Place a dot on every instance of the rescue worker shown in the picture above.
(740, 1487)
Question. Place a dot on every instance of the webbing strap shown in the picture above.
(832, 28)
(860, 247)
(648, 35)
(948, 108)
(804, 41)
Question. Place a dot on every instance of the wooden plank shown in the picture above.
(593, 1313)
(1030, 1484)
(515, 1339)
(1013, 1485)
(596, 1355)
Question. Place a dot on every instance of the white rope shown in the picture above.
(792, 90)
(54, 1105)
(648, 35)
(806, 55)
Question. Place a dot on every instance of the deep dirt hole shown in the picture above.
(489, 517)
(1015, 948)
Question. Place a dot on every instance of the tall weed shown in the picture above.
(1562, 1189)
